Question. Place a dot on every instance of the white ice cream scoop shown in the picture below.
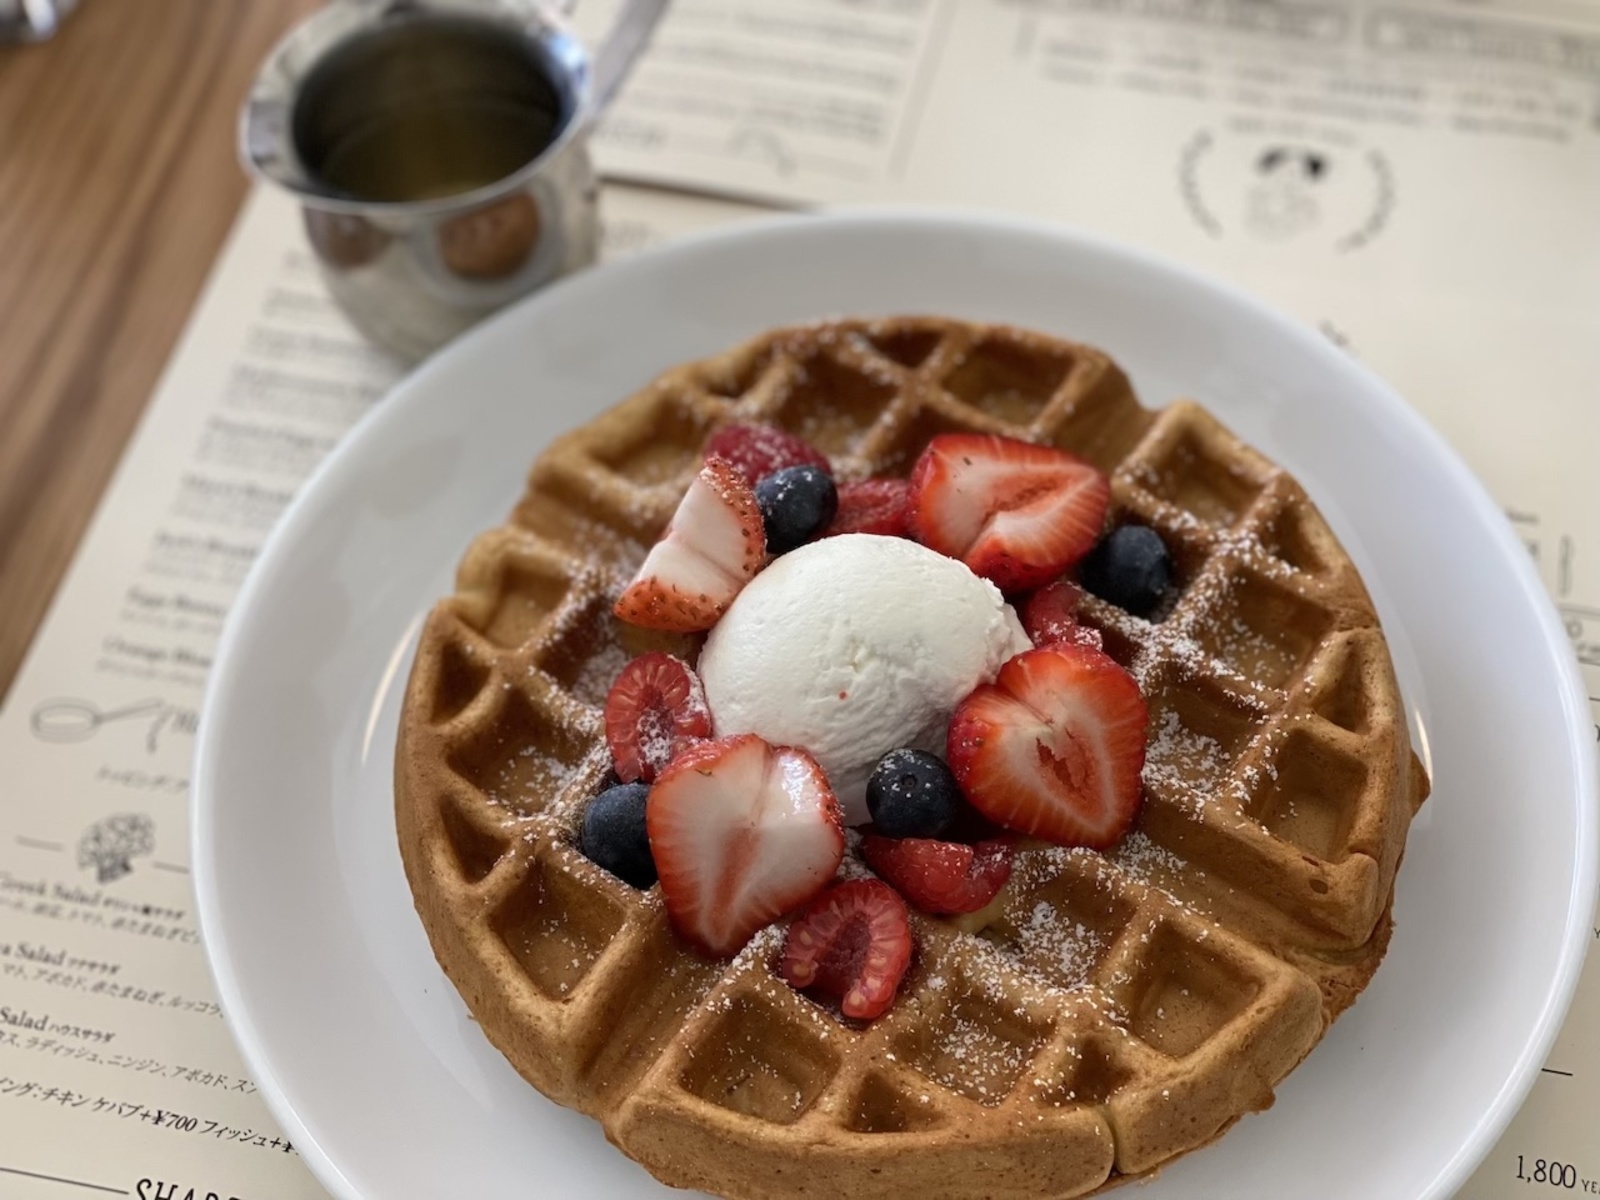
(853, 646)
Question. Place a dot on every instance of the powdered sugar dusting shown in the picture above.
(1144, 860)
(1244, 542)
(1172, 649)
(1064, 949)
(599, 671)
(981, 1042)
(657, 739)
(1183, 763)
(854, 866)
(762, 947)
(535, 772)
(1154, 866)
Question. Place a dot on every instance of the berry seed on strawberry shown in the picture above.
(713, 546)
(1050, 615)
(741, 833)
(1016, 513)
(756, 451)
(655, 709)
(1054, 746)
(853, 942)
(880, 506)
(942, 878)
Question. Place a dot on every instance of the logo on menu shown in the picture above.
(1284, 183)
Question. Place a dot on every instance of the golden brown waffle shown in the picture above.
(1110, 1011)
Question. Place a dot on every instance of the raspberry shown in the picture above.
(873, 506)
(654, 710)
(940, 877)
(853, 942)
(756, 451)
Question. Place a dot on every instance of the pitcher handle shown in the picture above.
(622, 45)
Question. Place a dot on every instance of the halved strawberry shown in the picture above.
(943, 878)
(1016, 513)
(1050, 615)
(713, 546)
(853, 942)
(873, 506)
(654, 710)
(741, 832)
(1054, 746)
(758, 450)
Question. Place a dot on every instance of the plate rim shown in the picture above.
(398, 400)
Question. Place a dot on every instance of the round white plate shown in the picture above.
(362, 1047)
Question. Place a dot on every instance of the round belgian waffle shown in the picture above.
(1113, 1010)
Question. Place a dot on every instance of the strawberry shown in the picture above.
(873, 506)
(853, 942)
(940, 877)
(1054, 746)
(655, 710)
(1050, 615)
(1016, 513)
(741, 832)
(713, 546)
(756, 451)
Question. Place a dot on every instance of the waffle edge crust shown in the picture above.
(1120, 1009)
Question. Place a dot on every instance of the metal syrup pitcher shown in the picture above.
(439, 152)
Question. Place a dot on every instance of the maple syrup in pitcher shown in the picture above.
(438, 151)
(426, 108)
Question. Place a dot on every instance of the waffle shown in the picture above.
(1109, 1011)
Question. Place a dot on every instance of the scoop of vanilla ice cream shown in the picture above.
(853, 646)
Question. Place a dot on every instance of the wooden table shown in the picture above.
(118, 183)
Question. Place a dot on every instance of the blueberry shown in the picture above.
(797, 503)
(1130, 568)
(912, 794)
(613, 834)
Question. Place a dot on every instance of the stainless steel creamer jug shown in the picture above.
(439, 152)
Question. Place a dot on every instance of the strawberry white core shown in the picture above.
(853, 646)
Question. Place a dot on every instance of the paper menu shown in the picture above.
(117, 1073)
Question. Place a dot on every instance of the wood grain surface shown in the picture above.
(118, 183)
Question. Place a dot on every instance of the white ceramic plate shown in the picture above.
(362, 1047)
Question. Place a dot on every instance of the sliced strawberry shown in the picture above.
(713, 546)
(943, 878)
(741, 832)
(853, 942)
(873, 506)
(654, 710)
(1016, 513)
(758, 450)
(1050, 615)
(1054, 746)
